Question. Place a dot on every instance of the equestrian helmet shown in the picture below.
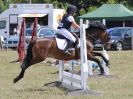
(71, 9)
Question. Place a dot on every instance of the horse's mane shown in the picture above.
(92, 27)
(96, 25)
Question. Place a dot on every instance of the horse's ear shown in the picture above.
(102, 26)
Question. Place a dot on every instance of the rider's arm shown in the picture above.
(74, 24)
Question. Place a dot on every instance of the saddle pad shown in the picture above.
(62, 43)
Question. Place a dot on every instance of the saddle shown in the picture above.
(62, 42)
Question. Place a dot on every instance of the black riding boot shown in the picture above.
(69, 45)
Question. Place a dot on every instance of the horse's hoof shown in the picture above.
(15, 80)
(108, 66)
(102, 74)
(67, 70)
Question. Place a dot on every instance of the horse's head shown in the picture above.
(97, 31)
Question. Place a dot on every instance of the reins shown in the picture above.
(93, 38)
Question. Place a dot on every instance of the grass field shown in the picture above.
(120, 86)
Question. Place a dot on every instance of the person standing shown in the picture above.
(17, 30)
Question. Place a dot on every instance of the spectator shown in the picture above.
(17, 30)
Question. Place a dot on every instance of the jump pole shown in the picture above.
(83, 56)
(73, 81)
(106, 69)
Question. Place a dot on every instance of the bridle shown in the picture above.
(96, 40)
(93, 38)
(107, 43)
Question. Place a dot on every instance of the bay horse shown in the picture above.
(38, 50)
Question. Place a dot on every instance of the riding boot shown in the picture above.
(69, 45)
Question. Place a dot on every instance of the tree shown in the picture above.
(1, 6)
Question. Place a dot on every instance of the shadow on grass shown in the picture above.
(56, 84)
(15, 61)
(57, 72)
(31, 90)
(49, 87)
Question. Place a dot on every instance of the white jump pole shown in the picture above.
(83, 56)
(132, 39)
(104, 21)
(90, 67)
(61, 69)
(106, 69)
(71, 80)
(89, 62)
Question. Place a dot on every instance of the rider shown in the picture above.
(66, 23)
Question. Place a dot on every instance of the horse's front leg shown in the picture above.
(92, 58)
(103, 57)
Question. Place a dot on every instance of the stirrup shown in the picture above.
(67, 52)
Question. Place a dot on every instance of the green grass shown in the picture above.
(120, 86)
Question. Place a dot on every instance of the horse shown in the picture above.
(39, 49)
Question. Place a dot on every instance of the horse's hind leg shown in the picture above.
(19, 76)
(103, 57)
(24, 66)
(26, 63)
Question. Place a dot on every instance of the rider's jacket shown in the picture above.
(65, 23)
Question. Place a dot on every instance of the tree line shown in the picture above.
(83, 6)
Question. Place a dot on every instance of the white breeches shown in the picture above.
(67, 34)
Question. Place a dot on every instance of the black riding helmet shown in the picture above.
(71, 9)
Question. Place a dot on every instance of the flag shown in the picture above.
(21, 43)
(34, 31)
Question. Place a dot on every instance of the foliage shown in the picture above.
(111, 1)
(1, 6)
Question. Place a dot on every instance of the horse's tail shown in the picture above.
(28, 57)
